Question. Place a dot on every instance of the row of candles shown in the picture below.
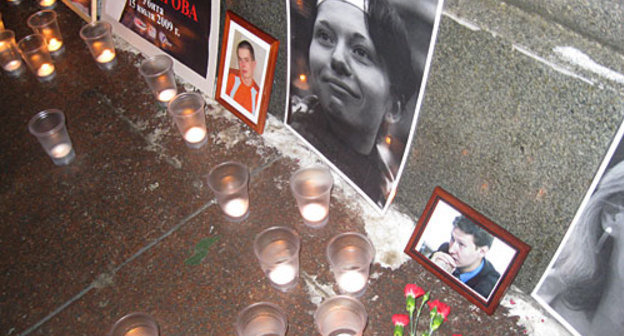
(276, 248)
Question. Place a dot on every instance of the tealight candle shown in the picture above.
(282, 274)
(45, 70)
(195, 134)
(167, 95)
(47, 3)
(236, 207)
(60, 150)
(351, 281)
(135, 324)
(13, 65)
(314, 212)
(54, 44)
(105, 56)
(139, 331)
(341, 315)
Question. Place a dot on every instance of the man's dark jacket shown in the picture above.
(484, 281)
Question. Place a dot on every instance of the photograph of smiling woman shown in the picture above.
(356, 73)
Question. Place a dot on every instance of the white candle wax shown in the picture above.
(194, 134)
(351, 281)
(236, 207)
(314, 212)
(54, 44)
(47, 3)
(60, 150)
(105, 56)
(166, 95)
(282, 274)
(13, 65)
(46, 69)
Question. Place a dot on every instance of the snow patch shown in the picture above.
(554, 66)
(577, 57)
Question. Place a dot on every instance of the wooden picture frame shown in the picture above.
(84, 8)
(259, 55)
(439, 236)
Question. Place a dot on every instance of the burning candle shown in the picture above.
(351, 281)
(105, 56)
(314, 212)
(140, 331)
(54, 44)
(236, 207)
(195, 134)
(282, 274)
(167, 94)
(46, 69)
(47, 3)
(60, 150)
(13, 65)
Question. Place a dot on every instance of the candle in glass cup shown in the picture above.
(350, 255)
(35, 53)
(99, 40)
(45, 22)
(311, 188)
(341, 315)
(135, 324)
(49, 128)
(187, 110)
(47, 3)
(9, 55)
(158, 73)
(262, 318)
(229, 181)
(277, 250)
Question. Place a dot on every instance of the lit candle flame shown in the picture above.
(47, 3)
(166, 95)
(236, 207)
(54, 44)
(303, 78)
(282, 274)
(195, 134)
(314, 212)
(60, 150)
(46, 69)
(13, 65)
(351, 281)
(105, 56)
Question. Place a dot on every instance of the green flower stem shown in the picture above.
(425, 298)
(398, 330)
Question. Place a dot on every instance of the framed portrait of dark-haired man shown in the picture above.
(582, 286)
(356, 80)
(473, 255)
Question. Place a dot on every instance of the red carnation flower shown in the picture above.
(401, 319)
(443, 309)
(413, 290)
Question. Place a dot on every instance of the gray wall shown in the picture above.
(509, 123)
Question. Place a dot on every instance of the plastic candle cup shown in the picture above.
(262, 318)
(49, 128)
(187, 110)
(35, 53)
(229, 181)
(341, 315)
(135, 324)
(350, 255)
(10, 59)
(311, 188)
(45, 23)
(99, 40)
(158, 73)
(277, 249)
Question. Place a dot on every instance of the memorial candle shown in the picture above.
(12, 65)
(167, 95)
(45, 70)
(47, 3)
(236, 208)
(105, 56)
(54, 44)
(282, 274)
(195, 134)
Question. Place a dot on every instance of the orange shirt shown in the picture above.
(245, 95)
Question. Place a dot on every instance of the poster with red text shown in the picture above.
(181, 29)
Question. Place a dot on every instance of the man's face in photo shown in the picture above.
(463, 250)
(246, 63)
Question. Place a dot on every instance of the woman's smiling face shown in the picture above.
(347, 74)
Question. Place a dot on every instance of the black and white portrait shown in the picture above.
(356, 80)
(584, 283)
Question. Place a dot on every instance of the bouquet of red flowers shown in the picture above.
(438, 312)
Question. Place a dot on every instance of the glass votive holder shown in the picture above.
(230, 183)
(135, 324)
(47, 4)
(99, 39)
(49, 128)
(312, 188)
(158, 73)
(35, 53)
(277, 249)
(262, 318)
(350, 255)
(187, 110)
(341, 315)
(10, 59)
(44, 22)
